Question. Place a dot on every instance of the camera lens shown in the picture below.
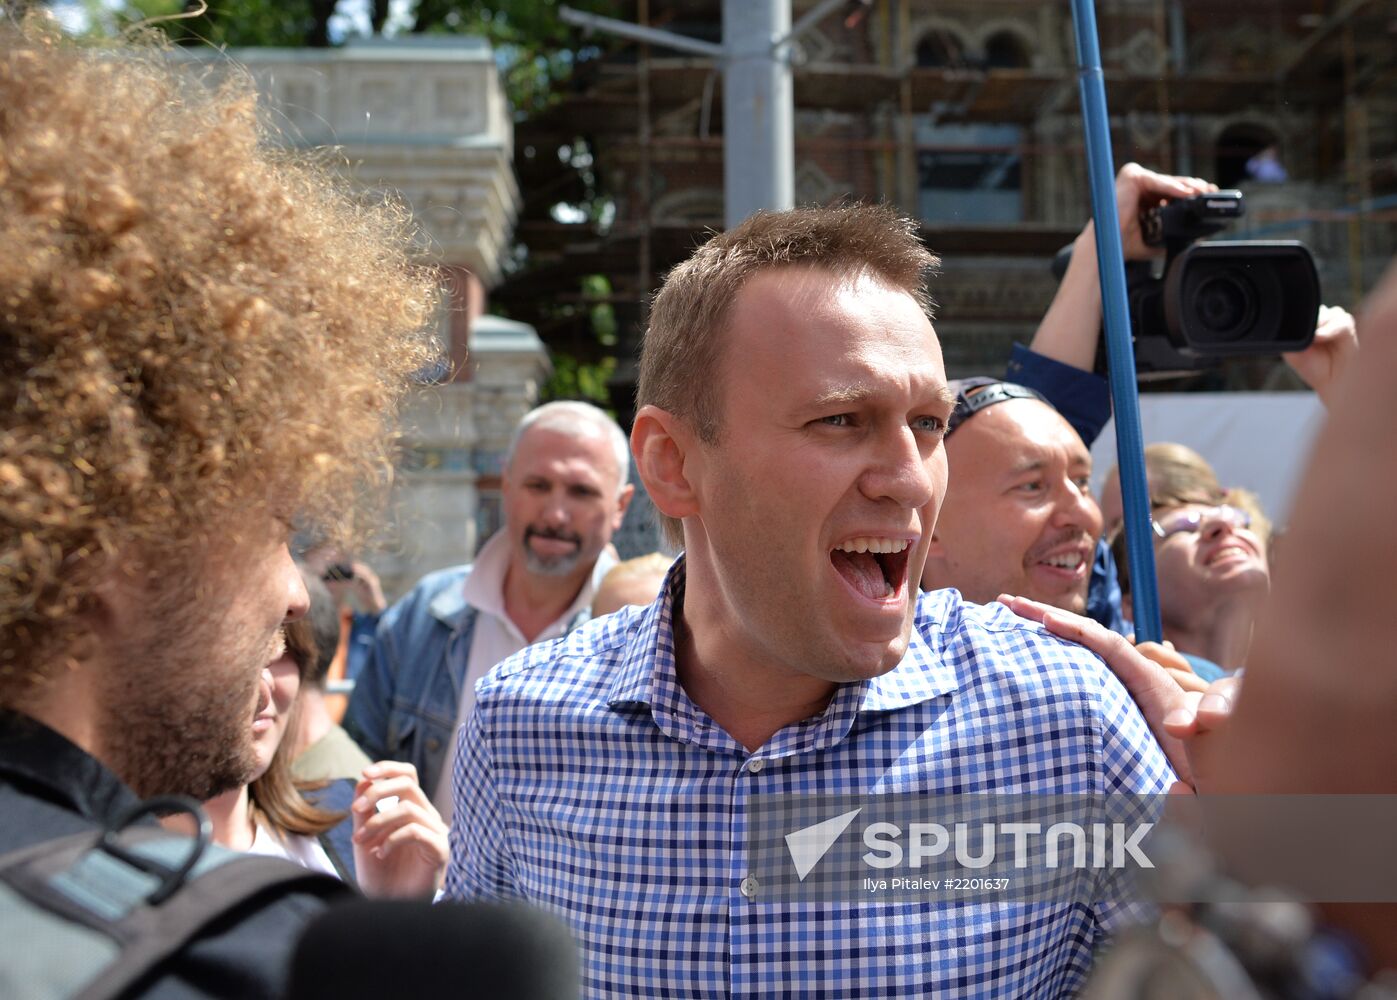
(1226, 305)
(1231, 299)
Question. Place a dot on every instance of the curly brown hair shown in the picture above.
(191, 322)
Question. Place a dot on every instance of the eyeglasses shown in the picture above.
(1195, 518)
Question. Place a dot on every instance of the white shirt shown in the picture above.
(496, 637)
(304, 851)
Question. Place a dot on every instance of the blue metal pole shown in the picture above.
(1130, 443)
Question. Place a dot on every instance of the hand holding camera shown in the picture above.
(1138, 192)
(1220, 298)
(1204, 301)
(353, 583)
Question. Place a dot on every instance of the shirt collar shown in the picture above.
(483, 588)
(648, 670)
(923, 673)
(650, 652)
(43, 757)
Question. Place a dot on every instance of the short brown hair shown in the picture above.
(682, 349)
(191, 322)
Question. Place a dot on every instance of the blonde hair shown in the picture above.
(190, 323)
(647, 569)
(681, 353)
(649, 565)
(1179, 475)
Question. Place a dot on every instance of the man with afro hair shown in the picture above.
(199, 340)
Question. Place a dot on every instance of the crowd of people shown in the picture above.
(886, 580)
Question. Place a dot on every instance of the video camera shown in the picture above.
(1214, 300)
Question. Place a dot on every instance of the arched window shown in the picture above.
(1241, 148)
(1006, 50)
(968, 173)
(940, 47)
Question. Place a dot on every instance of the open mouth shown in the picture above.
(1062, 559)
(1228, 553)
(1068, 562)
(873, 567)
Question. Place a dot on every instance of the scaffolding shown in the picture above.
(916, 90)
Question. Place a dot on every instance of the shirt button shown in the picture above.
(433, 744)
(754, 765)
(749, 887)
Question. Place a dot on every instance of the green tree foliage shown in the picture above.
(241, 23)
(537, 51)
(587, 374)
(574, 378)
(254, 23)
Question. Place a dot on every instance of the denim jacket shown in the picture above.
(408, 694)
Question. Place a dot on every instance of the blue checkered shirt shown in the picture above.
(590, 784)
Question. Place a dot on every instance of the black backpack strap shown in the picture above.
(99, 911)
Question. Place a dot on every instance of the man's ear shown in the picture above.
(661, 443)
(118, 589)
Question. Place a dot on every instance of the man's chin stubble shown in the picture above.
(150, 771)
(541, 567)
(180, 749)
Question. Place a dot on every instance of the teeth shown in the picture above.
(878, 545)
(1069, 560)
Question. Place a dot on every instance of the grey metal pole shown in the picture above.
(758, 95)
(640, 33)
(758, 109)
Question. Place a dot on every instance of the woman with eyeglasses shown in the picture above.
(1211, 560)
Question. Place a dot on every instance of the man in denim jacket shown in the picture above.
(565, 493)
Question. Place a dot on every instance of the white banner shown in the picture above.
(1257, 440)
